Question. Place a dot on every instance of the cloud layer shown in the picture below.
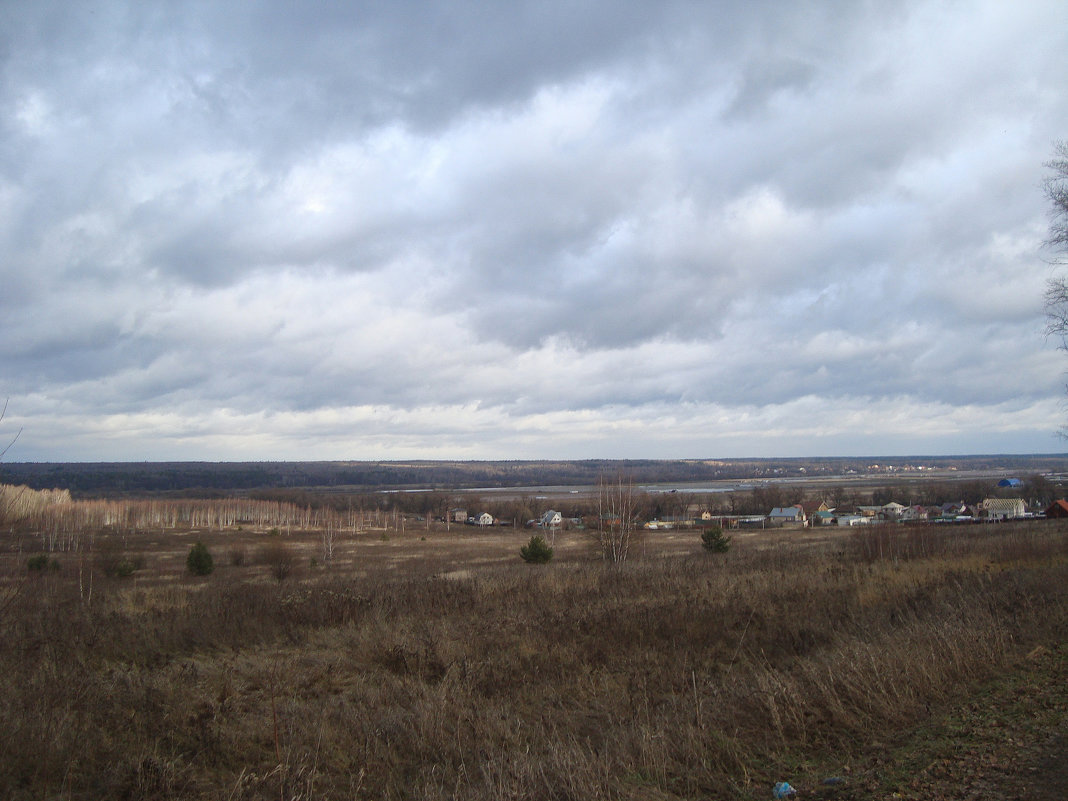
(423, 230)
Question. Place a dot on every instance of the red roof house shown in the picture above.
(1058, 509)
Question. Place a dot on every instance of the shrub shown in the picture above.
(114, 562)
(537, 551)
(125, 568)
(237, 556)
(199, 560)
(40, 562)
(279, 558)
(713, 540)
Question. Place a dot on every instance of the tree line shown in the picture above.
(200, 479)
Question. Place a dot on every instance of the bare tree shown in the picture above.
(3, 412)
(617, 516)
(328, 536)
(279, 557)
(5, 499)
(1056, 189)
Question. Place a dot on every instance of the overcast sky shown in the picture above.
(235, 231)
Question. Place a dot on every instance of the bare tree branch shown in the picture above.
(1056, 189)
(617, 511)
(17, 435)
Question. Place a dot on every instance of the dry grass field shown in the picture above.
(427, 664)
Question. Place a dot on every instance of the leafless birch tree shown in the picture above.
(617, 516)
(328, 535)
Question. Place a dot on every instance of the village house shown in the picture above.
(696, 512)
(1002, 508)
(912, 514)
(892, 510)
(811, 508)
(551, 519)
(955, 510)
(1057, 509)
(788, 515)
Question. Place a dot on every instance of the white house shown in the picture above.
(911, 513)
(1003, 508)
(893, 510)
(485, 519)
(551, 519)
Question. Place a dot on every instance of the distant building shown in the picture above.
(913, 513)
(812, 507)
(1057, 509)
(1003, 508)
(787, 514)
(551, 519)
(959, 509)
(823, 518)
(893, 510)
(852, 520)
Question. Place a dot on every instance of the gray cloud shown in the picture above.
(534, 230)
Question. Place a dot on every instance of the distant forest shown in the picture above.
(100, 479)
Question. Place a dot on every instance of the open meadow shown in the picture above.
(334, 663)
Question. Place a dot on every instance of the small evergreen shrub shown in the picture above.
(125, 567)
(39, 562)
(713, 540)
(537, 551)
(199, 560)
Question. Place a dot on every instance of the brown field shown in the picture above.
(435, 664)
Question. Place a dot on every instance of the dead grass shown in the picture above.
(444, 667)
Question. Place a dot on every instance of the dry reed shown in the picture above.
(665, 677)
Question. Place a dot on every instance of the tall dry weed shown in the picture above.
(669, 677)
